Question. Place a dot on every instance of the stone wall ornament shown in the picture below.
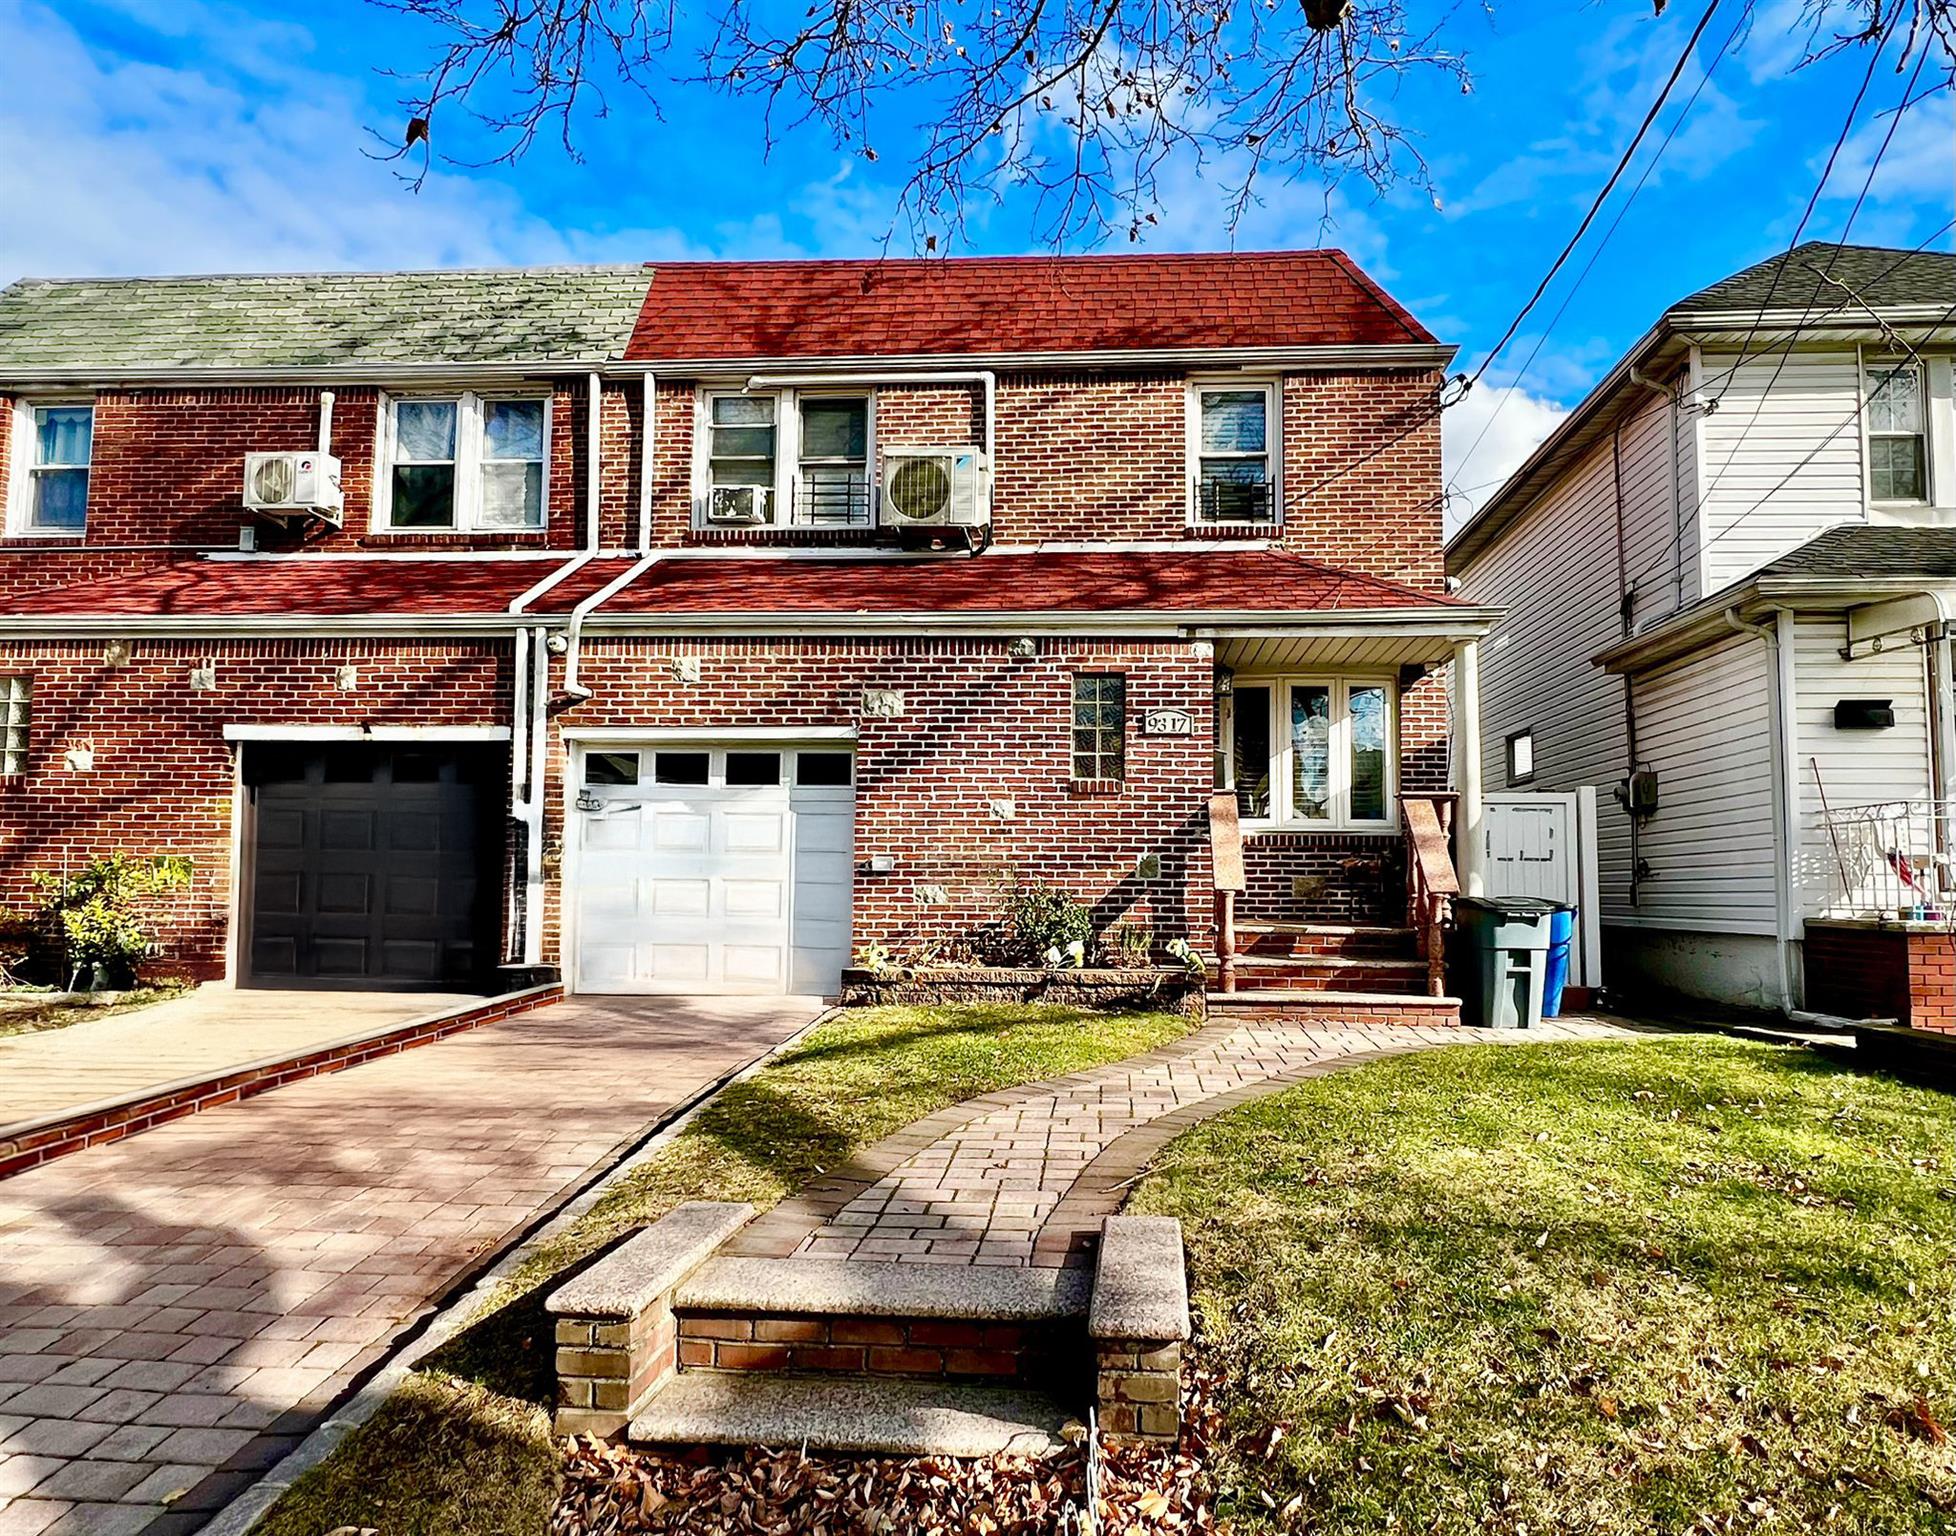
(203, 677)
(882, 704)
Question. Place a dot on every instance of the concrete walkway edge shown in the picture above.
(245, 1511)
(40, 1139)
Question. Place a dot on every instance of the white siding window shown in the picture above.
(1313, 753)
(52, 496)
(464, 463)
(1898, 456)
(16, 706)
(1233, 471)
(1521, 757)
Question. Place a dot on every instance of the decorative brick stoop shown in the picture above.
(664, 1342)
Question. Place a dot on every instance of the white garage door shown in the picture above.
(713, 869)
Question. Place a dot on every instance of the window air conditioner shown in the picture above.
(294, 485)
(935, 488)
(742, 505)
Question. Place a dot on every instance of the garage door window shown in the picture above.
(750, 768)
(822, 770)
(611, 768)
(681, 767)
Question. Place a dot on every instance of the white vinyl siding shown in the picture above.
(1853, 767)
(1554, 571)
(1800, 428)
(1705, 726)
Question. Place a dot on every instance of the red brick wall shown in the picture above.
(1860, 971)
(978, 726)
(1090, 457)
(163, 778)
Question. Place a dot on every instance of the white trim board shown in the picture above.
(366, 733)
(581, 735)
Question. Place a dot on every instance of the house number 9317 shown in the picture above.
(1168, 722)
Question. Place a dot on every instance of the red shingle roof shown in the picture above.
(1013, 304)
(1141, 581)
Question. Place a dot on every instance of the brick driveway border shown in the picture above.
(1023, 1177)
(177, 1310)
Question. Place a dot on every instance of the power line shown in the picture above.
(1609, 186)
(1603, 244)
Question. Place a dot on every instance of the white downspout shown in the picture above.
(648, 450)
(592, 482)
(1778, 636)
(585, 609)
(326, 421)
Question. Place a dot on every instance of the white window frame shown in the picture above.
(24, 440)
(1282, 817)
(469, 460)
(1870, 366)
(1273, 447)
(1509, 755)
(787, 454)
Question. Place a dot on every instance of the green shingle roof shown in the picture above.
(318, 320)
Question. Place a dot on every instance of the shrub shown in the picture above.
(1041, 917)
(99, 915)
(1129, 944)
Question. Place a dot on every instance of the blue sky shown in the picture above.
(156, 136)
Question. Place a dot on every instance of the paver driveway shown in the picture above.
(177, 1309)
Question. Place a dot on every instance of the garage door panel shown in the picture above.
(368, 868)
(614, 832)
(756, 832)
(682, 898)
(680, 831)
(754, 965)
(680, 964)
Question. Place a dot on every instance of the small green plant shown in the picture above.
(1041, 918)
(101, 916)
(1129, 945)
(876, 959)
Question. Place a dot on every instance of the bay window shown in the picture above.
(784, 459)
(1311, 753)
(464, 463)
(1233, 431)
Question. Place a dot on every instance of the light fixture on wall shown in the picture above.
(557, 644)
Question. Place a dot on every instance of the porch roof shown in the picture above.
(1862, 567)
(1199, 592)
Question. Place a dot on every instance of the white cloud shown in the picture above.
(1486, 437)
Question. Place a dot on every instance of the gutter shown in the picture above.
(585, 609)
(1334, 358)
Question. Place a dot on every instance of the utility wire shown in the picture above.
(1609, 186)
(1596, 255)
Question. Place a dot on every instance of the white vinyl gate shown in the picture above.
(1545, 845)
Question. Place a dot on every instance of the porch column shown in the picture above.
(1467, 762)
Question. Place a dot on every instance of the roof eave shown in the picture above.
(1384, 355)
(77, 376)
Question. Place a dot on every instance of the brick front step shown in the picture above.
(884, 1418)
(1291, 1007)
(1257, 937)
(1325, 973)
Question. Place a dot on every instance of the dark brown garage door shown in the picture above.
(372, 866)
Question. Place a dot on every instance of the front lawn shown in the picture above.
(465, 1450)
(1682, 1285)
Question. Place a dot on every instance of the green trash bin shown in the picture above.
(1503, 954)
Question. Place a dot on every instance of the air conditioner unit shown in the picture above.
(294, 485)
(935, 488)
(744, 505)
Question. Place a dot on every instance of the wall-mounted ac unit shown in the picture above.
(738, 505)
(294, 485)
(935, 488)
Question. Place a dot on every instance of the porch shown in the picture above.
(1346, 812)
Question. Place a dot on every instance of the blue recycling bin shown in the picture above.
(1555, 970)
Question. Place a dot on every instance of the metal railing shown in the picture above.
(1890, 859)
(834, 503)
(1234, 501)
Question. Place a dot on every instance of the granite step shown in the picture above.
(801, 1287)
(1287, 1005)
(887, 1418)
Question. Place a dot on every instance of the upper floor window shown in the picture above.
(465, 463)
(1232, 438)
(787, 460)
(53, 494)
(1897, 434)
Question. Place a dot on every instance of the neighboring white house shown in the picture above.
(1728, 578)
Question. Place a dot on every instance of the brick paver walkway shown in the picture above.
(1024, 1176)
(200, 1035)
(176, 1310)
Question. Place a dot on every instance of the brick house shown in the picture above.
(690, 628)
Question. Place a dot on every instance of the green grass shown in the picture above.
(463, 1452)
(1681, 1285)
(21, 1013)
